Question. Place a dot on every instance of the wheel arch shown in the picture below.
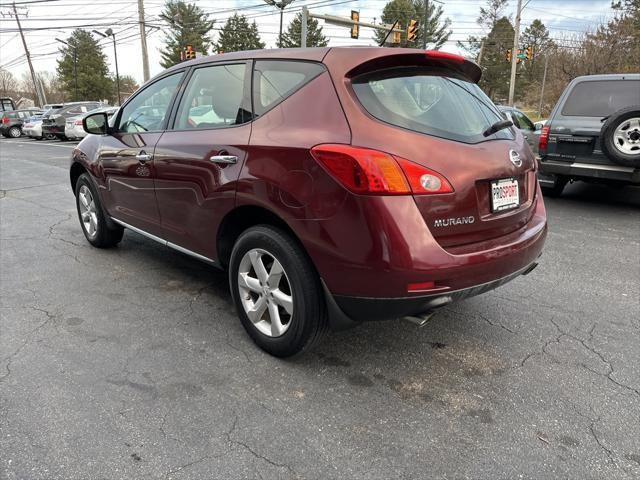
(75, 171)
(241, 218)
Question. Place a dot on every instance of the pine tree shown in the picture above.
(496, 69)
(83, 62)
(237, 34)
(487, 19)
(292, 37)
(405, 10)
(187, 24)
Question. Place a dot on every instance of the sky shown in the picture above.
(45, 20)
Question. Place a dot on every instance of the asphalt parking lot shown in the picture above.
(130, 363)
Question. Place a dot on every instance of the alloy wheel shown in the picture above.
(265, 292)
(15, 132)
(626, 137)
(88, 214)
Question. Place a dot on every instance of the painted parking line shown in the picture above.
(44, 142)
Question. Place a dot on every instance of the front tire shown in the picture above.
(276, 291)
(91, 216)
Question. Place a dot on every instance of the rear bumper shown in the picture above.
(53, 129)
(589, 171)
(360, 309)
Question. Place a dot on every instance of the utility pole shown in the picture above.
(303, 29)
(544, 79)
(424, 24)
(26, 52)
(479, 61)
(514, 55)
(143, 41)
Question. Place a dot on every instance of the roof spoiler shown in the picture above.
(406, 57)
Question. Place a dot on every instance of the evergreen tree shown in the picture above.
(237, 34)
(187, 24)
(292, 37)
(489, 15)
(536, 36)
(405, 10)
(83, 62)
(496, 69)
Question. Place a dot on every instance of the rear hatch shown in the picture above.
(433, 115)
(574, 129)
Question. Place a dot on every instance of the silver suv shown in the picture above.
(593, 133)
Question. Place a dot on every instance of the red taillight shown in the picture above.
(544, 140)
(372, 172)
(362, 170)
(78, 122)
(5, 119)
(437, 54)
(420, 286)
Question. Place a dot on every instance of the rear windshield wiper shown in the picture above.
(497, 127)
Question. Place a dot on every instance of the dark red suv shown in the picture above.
(336, 185)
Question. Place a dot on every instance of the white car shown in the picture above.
(32, 128)
(73, 126)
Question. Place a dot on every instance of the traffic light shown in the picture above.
(411, 30)
(396, 37)
(529, 52)
(355, 28)
(508, 56)
(189, 52)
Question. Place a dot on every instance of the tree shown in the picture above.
(487, 19)
(237, 34)
(128, 85)
(8, 83)
(292, 37)
(188, 25)
(83, 68)
(535, 36)
(404, 10)
(496, 69)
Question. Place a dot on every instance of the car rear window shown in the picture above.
(275, 80)
(430, 101)
(601, 98)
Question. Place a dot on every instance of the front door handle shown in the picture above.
(143, 157)
(224, 159)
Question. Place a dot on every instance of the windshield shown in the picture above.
(429, 101)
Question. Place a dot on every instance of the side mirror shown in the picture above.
(537, 127)
(96, 123)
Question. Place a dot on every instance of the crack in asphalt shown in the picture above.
(9, 358)
(257, 455)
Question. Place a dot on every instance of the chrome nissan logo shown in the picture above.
(515, 158)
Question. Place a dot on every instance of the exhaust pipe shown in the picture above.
(421, 319)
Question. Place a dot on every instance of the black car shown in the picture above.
(6, 104)
(54, 122)
(12, 120)
(593, 133)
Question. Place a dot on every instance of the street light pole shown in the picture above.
(75, 67)
(110, 33)
(282, 4)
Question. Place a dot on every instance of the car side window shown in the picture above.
(275, 80)
(214, 98)
(148, 109)
(524, 121)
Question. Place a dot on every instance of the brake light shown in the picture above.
(424, 180)
(437, 54)
(5, 120)
(420, 286)
(78, 122)
(372, 172)
(362, 170)
(544, 140)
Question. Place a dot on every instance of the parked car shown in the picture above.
(335, 185)
(524, 123)
(6, 104)
(54, 122)
(593, 133)
(12, 121)
(73, 129)
(33, 125)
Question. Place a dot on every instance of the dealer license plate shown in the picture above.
(505, 194)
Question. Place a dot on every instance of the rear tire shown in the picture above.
(556, 188)
(92, 218)
(271, 277)
(14, 132)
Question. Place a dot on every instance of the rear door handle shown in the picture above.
(143, 157)
(224, 159)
